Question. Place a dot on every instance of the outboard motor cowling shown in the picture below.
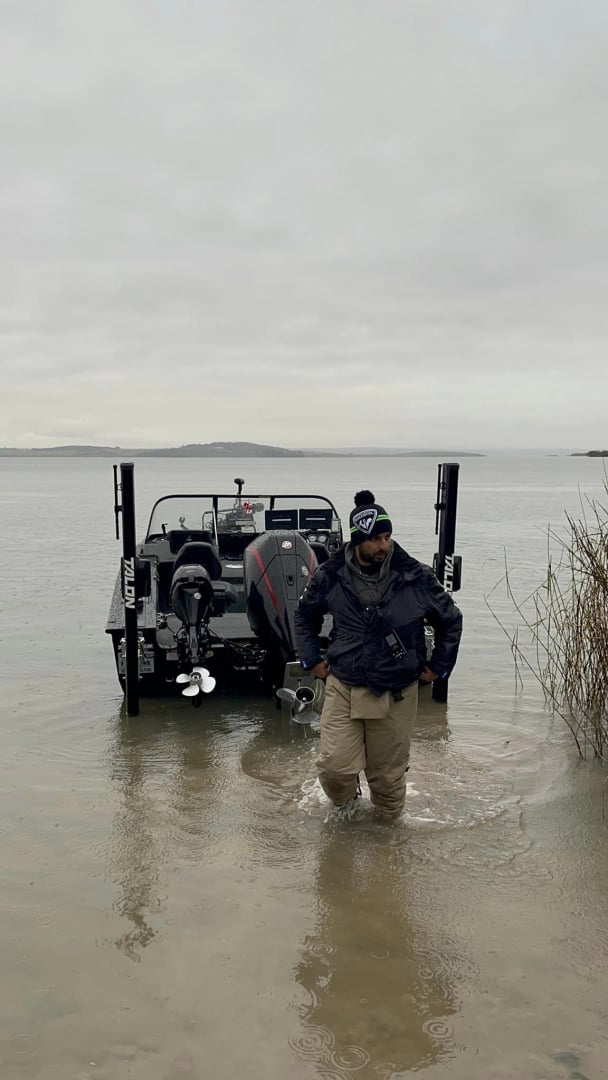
(191, 594)
(277, 566)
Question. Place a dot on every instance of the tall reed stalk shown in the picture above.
(567, 620)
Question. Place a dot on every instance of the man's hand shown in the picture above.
(428, 675)
(321, 670)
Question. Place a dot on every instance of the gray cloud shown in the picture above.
(344, 216)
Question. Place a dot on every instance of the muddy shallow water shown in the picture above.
(177, 898)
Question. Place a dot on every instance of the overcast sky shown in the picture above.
(332, 223)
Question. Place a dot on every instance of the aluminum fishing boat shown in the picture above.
(215, 583)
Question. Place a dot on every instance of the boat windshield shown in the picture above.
(190, 512)
(244, 514)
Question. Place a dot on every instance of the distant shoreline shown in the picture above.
(222, 451)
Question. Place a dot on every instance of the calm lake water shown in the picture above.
(176, 901)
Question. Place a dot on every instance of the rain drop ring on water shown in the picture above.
(314, 1043)
(23, 1044)
(350, 1058)
(321, 948)
(438, 1029)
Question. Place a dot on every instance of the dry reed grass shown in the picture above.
(567, 622)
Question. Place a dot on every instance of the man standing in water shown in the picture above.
(379, 597)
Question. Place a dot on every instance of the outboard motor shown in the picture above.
(191, 594)
(194, 570)
(277, 566)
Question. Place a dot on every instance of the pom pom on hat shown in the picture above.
(364, 498)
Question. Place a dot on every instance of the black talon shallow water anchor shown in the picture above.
(446, 565)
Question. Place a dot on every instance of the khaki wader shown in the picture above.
(361, 732)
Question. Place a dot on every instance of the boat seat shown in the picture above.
(195, 553)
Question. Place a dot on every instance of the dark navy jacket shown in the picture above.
(358, 654)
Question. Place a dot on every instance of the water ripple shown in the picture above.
(350, 1058)
(319, 948)
(317, 1044)
(313, 1044)
(22, 1044)
(439, 1030)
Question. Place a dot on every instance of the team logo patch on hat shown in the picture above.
(365, 520)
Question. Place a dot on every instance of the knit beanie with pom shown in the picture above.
(368, 518)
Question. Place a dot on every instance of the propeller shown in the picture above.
(199, 681)
(301, 702)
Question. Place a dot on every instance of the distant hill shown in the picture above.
(225, 449)
(590, 453)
